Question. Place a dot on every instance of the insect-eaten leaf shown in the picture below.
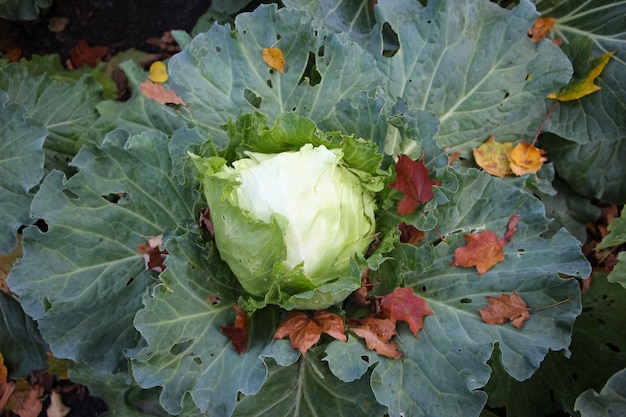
(305, 331)
(493, 157)
(404, 305)
(238, 331)
(582, 83)
(152, 254)
(274, 58)
(541, 28)
(158, 93)
(506, 307)
(484, 249)
(413, 180)
(158, 72)
(526, 159)
(377, 334)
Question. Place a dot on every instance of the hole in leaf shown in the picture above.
(70, 194)
(391, 44)
(118, 198)
(506, 94)
(218, 49)
(197, 360)
(587, 309)
(602, 322)
(320, 52)
(429, 21)
(252, 98)
(466, 301)
(311, 75)
(180, 347)
(269, 84)
(574, 376)
(528, 77)
(365, 358)
(424, 288)
(130, 281)
(613, 347)
(278, 37)
(46, 304)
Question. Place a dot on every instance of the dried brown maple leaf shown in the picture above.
(238, 331)
(377, 334)
(413, 180)
(152, 253)
(541, 28)
(304, 331)
(483, 250)
(404, 305)
(26, 400)
(158, 93)
(83, 54)
(506, 307)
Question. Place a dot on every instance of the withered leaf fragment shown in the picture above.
(304, 331)
(377, 334)
(506, 307)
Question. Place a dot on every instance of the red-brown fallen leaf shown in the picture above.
(483, 250)
(238, 331)
(304, 331)
(158, 93)
(541, 28)
(412, 179)
(152, 254)
(26, 400)
(403, 304)
(377, 334)
(410, 234)
(506, 307)
(83, 54)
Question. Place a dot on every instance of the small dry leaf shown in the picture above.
(506, 307)
(274, 58)
(526, 159)
(541, 28)
(158, 93)
(493, 157)
(304, 331)
(158, 72)
(377, 334)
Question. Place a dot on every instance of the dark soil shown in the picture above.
(116, 24)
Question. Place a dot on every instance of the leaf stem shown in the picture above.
(545, 120)
(551, 305)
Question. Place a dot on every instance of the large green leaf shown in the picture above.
(354, 17)
(610, 402)
(83, 278)
(21, 344)
(598, 116)
(186, 350)
(597, 351)
(21, 165)
(67, 110)
(442, 371)
(472, 64)
(595, 169)
(221, 73)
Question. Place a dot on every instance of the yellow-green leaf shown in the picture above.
(580, 87)
(492, 156)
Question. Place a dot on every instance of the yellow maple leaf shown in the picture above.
(493, 157)
(158, 72)
(274, 58)
(526, 159)
(580, 87)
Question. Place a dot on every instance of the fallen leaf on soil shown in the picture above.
(580, 86)
(152, 254)
(412, 179)
(158, 72)
(304, 331)
(238, 331)
(6, 387)
(506, 307)
(26, 400)
(541, 28)
(404, 305)
(56, 407)
(484, 249)
(526, 159)
(493, 157)
(158, 93)
(377, 334)
(83, 54)
(274, 58)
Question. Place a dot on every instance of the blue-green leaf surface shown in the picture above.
(610, 402)
(83, 278)
(21, 168)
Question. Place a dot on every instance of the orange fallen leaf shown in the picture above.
(304, 331)
(274, 58)
(580, 86)
(493, 157)
(158, 72)
(526, 159)
(484, 250)
(506, 307)
(541, 28)
(238, 331)
(158, 93)
(377, 334)
(404, 305)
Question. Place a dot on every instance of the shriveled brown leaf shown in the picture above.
(506, 307)
(304, 331)
(377, 334)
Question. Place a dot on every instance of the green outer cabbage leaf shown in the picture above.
(610, 402)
